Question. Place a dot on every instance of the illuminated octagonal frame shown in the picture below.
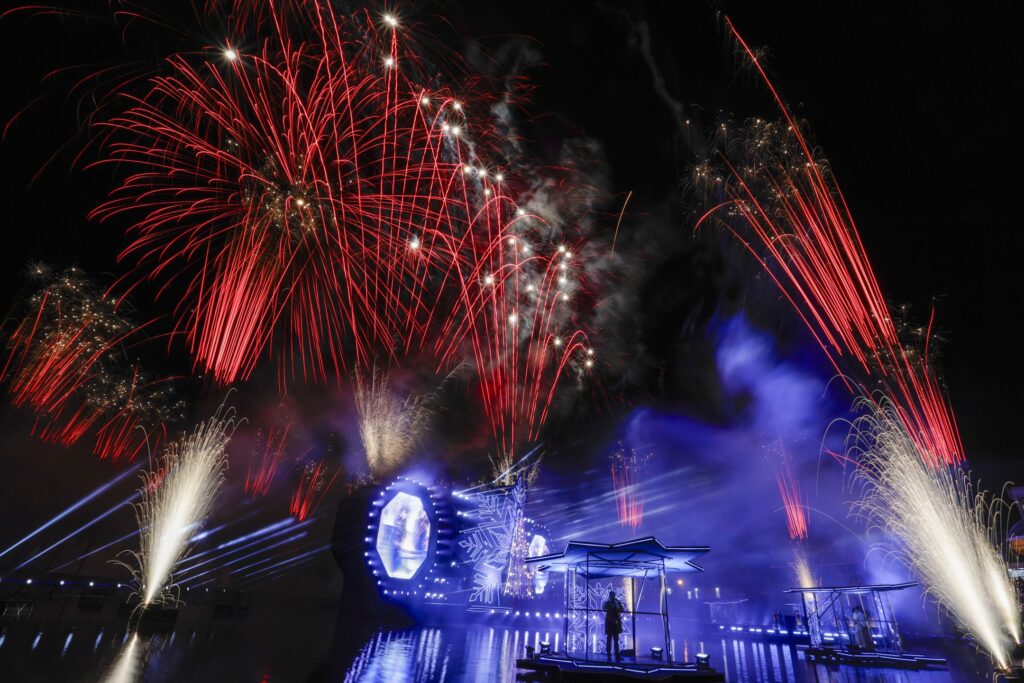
(405, 537)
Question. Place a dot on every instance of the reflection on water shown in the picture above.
(434, 654)
(126, 666)
(303, 649)
(426, 655)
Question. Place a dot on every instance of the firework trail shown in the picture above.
(65, 361)
(263, 468)
(176, 499)
(943, 529)
(390, 428)
(315, 481)
(792, 501)
(796, 522)
(323, 198)
(628, 469)
(781, 201)
(58, 359)
(524, 336)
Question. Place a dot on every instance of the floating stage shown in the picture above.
(856, 625)
(591, 572)
(559, 667)
(903, 660)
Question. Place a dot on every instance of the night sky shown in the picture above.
(916, 105)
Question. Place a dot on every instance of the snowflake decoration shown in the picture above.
(488, 544)
(591, 594)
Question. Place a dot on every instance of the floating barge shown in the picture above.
(559, 667)
(904, 660)
(592, 571)
(836, 635)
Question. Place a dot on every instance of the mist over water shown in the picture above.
(714, 481)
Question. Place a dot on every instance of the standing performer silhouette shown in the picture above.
(612, 624)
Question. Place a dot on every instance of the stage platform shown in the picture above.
(906, 660)
(558, 667)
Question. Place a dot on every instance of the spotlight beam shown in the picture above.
(96, 550)
(295, 537)
(288, 562)
(255, 578)
(186, 568)
(80, 529)
(241, 539)
(76, 506)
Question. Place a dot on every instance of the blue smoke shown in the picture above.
(713, 481)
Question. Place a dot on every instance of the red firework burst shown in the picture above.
(804, 236)
(319, 200)
(310, 194)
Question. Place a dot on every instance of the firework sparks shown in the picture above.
(792, 501)
(316, 186)
(524, 337)
(176, 499)
(781, 201)
(802, 570)
(65, 362)
(315, 481)
(628, 468)
(390, 428)
(264, 466)
(944, 530)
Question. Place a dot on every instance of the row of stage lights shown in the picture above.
(65, 583)
(827, 635)
(558, 615)
(547, 615)
(62, 583)
(758, 629)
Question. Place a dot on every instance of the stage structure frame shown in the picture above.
(634, 562)
(836, 633)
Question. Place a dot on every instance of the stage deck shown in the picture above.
(559, 667)
(906, 660)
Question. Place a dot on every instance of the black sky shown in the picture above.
(917, 105)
